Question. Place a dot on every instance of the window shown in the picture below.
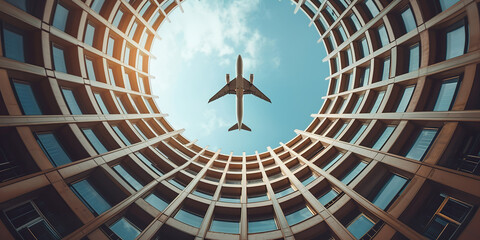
(132, 181)
(149, 163)
(371, 8)
(365, 77)
(58, 59)
(443, 217)
(71, 102)
(121, 135)
(456, 40)
(405, 100)
(358, 134)
(421, 144)
(356, 23)
(360, 225)
(118, 18)
(348, 178)
(363, 48)
(111, 76)
(261, 225)
(332, 162)
(342, 34)
(124, 228)
(390, 190)
(414, 57)
(357, 104)
(144, 8)
(328, 197)
(230, 199)
(383, 138)
(309, 179)
(176, 184)
(284, 192)
(340, 130)
(408, 20)
(13, 44)
(446, 94)
(378, 101)
(202, 194)
(154, 18)
(93, 139)
(386, 69)
(121, 105)
(348, 81)
(101, 104)
(446, 4)
(30, 223)
(257, 198)
(141, 84)
(95, 202)
(348, 54)
(89, 34)
(110, 46)
(140, 131)
(28, 6)
(341, 105)
(52, 148)
(26, 98)
(167, 3)
(97, 5)
(60, 17)
(90, 69)
(127, 81)
(189, 218)
(132, 30)
(382, 36)
(157, 202)
(331, 13)
(225, 225)
(298, 216)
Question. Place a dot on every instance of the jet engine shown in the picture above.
(251, 78)
(227, 77)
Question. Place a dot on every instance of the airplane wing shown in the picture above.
(251, 89)
(229, 88)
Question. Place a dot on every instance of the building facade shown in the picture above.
(393, 153)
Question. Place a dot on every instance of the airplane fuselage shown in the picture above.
(239, 91)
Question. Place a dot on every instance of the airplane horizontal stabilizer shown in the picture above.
(235, 127)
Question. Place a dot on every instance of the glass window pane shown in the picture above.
(60, 17)
(408, 20)
(359, 133)
(111, 76)
(360, 226)
(383, 138)
(121, 135)
(13, 44)
(111, 45)
(386, 69)
(225, 226)
(365, 76)
(53, 149)
(132, 30)
(22, 4)
(140, 131)
(118, 17)
(26, 97)
(89, 34)
(446, 95)
(90, 69)
(154, 18)
(445, 4)
(176, 184)
(455, 210)
(414, 60)
(308, 180)
(364, 47)
(357, 104)
(128, 177)
(262, 225)
(298, 216)
(355, 21)
(284, 192)
(202, 194)
(125, 229)
(331, 163)
(144, 8)
(101, 104)
(149, 163)
(421, 144)
(230, 199)
(59, 59)
(353, 173)
(121, 105)
(92, 138)
(328, 197)
(407, 95)
(330, 13)
(383, 36)
(389, 191)
(349, 56)
(372, 8)
(455, 42)
(189, 218)
(156, 201)
(257, 198)
(378, 101)
(343, 35)
(97, 5)
(71, 101)
(340, 131)
(127, 81)
(87, 193)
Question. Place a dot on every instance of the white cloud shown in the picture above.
(213, 122)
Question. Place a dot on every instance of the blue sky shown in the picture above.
(201, 45)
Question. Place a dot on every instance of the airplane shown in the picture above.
(239, 86)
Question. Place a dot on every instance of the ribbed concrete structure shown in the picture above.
(393, 152)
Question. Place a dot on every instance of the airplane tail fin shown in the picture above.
(235, 127)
